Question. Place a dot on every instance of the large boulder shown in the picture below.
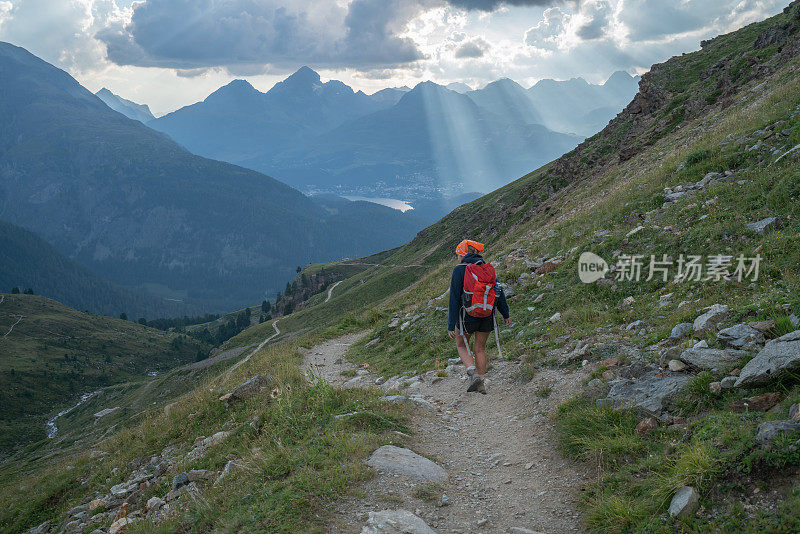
(648, 394)
(707, 358)
(778, 357)
(740, 336)
(399, 461)
(395, 522)
(710, 319)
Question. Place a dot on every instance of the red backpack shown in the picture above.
(479, 293)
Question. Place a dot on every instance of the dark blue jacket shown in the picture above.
(457, 290)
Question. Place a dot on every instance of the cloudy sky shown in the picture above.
(169, 53)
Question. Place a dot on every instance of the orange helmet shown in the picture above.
(463, 248)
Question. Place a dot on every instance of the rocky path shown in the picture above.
(505, 473)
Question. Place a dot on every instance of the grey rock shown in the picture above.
(740, 336)
(676, 196)
(770, 430)
(179, 480)
(41, 529)
(704, 358)
(648, 394)
(794, 412)
(508, 290)
(251, 387)
(637, 370)
(373, 342)
(676, 366)
(684, 503)
(200, 475)
(395, 522)
(728, 382)
(763, 225)
(682, 330)
(711, 318)
(635, 324)
(154, 503)
(400, 461)
(121, 489)
(707, 179)
(778, 357)
(78, 509)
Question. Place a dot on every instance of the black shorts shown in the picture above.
(478, 324)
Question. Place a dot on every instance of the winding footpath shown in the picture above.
(258, 348)
(505, 472)
(330, 290)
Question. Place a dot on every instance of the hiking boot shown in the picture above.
(476, 383)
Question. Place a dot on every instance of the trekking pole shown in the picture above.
(496, 335)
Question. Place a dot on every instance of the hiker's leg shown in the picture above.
(480, 351)
(463, 352)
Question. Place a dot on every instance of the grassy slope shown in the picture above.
(55, 353)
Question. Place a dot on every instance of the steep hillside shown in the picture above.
(27, 261)
(132, 110)
(704, 149)
(52, 354)
(136, 208)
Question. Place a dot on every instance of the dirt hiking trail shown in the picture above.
(505, 473)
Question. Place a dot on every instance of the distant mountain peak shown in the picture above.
(303, 76)
(235, 89)
(239, 84)
(459, 87)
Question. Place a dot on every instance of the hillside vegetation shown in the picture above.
(703, 150)
(52, 354)
(27, 261)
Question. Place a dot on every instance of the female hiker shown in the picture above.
(474, 294)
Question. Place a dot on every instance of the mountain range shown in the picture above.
(138, 209)
(397, 141)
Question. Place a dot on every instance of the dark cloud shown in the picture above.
(188, 34)
(472, 49)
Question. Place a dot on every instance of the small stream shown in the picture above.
(50, 425)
